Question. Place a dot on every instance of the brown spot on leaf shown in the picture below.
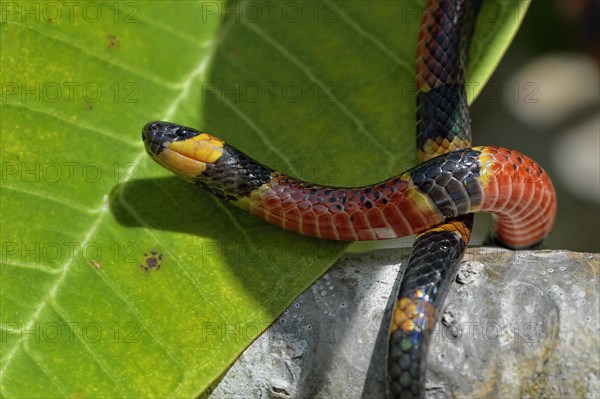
(113, 42)
(152, 261)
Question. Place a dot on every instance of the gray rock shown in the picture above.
(521, 324)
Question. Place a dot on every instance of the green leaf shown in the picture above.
(497, 25)
(320, 90)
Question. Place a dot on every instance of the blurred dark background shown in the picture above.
(544, 100)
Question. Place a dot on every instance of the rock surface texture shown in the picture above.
(515, 325)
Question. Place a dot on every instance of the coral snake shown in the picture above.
(434, 200)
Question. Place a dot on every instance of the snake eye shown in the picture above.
(167, 131)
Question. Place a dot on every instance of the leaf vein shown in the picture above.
(34, 266)
(159, 80)
(372, 39)
(281, 49)
(44, 369)
(71, 122)
(105, 368)
(48, 197)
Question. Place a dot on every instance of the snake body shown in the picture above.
(477, 179)
(434, 200)
(443, 125)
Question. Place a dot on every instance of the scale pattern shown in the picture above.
(443, 125)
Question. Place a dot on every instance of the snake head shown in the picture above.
(204, 160)
(183, 150)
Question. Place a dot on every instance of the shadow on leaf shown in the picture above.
(248, 248)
